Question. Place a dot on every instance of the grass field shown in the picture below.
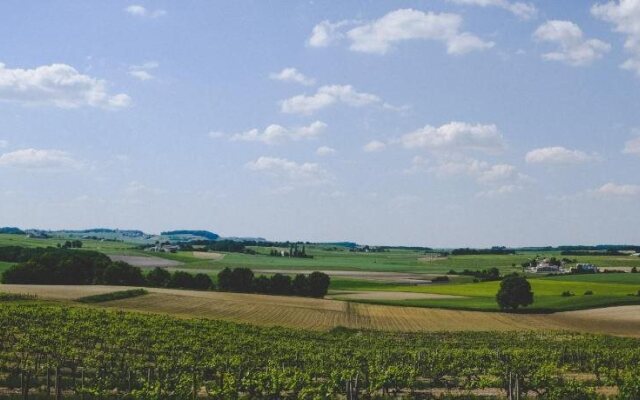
(606, 289)
(317, 314)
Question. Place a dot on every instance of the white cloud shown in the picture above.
(519, 9)
(481, 171)
(292, 75)
(142, 72)
(558, 155)
(573, 48)
(326, 96)
(276, 133)
(499, 191)
(303, 173)
(456, 136)
(140, 11)
(38, 159)
(407, 24)
(378, 36)
(616, 190)
(374, 146)
(632, 146)
(326, 33)
(58, 85)
(625, 16)
(325, 151)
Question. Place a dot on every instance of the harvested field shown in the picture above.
(145, 262)
(204, 255)
(380, 295)
(319, 314)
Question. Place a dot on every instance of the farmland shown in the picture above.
(104, 354)
(318, 314)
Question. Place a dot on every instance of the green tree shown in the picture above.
(318, 284)
(159, 277)
(515, 291)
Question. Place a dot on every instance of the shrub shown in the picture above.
(567, 293)
(438, 279)
(588, 293)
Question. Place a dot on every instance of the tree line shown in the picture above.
(62, 266)
(243, 280)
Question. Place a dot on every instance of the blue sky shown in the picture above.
(436, 123)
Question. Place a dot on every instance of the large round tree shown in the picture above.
(515, 291)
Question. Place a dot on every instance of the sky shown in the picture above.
(443, 123)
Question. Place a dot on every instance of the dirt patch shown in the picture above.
(204, 255)
(383, 295)
(60, 292)
(145, 262)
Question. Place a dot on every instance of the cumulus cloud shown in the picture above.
(326, 96)
(143, 72)
(326, 33)
(292, 75)
(39, 159)
(624, 15)
(615, 190)
(303, 173)
(456, 136)
(482, 171)
(573, 48)
(140, 11)
(519, 9)
(58, 85)
(378, 36)
(277, 134)
(325, 151)
(632, 146)
(558, 155)
(374, 146)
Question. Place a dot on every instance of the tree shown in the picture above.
(159, 277)
(262, 284)
(123, 274)
(202, 282)
(281, 284)
(300, 285)
(241, 280)
(224, 280)
(318, 284)
(515, 291)
(181, 279)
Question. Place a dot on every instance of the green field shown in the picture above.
(608, 289)
(547, 293)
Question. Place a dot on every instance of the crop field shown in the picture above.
(318, 314)
(86, 352)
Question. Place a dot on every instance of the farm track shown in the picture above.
(317, 314)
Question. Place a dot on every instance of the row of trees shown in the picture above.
(62, 266)
(243, 280)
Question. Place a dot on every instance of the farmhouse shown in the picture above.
(585, 268)
(545, 266)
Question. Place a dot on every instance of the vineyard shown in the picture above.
(89, 353)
